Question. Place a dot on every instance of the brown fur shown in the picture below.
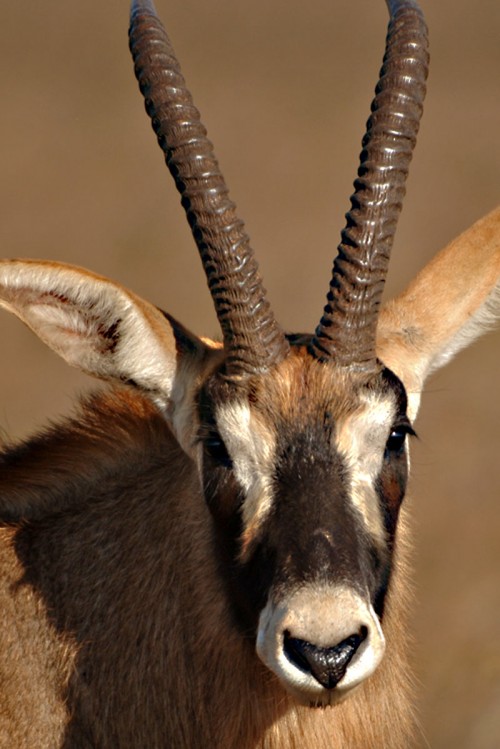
(115, 626)
(95, 590)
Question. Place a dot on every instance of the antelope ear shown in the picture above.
(99, 326)
(451, 302)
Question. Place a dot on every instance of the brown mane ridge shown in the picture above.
(112, 433)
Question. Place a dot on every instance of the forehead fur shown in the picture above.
(301, 389)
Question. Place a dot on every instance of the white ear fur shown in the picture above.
(95, 324)
(451, 302)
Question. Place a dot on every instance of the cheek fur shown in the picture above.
(222, 495)
(247, 582)
(391, 488)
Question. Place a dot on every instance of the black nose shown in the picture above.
(327, 665)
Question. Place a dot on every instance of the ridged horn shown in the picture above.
(347, 329)
(252, 338)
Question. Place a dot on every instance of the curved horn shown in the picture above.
(252, 337)
(346, 331)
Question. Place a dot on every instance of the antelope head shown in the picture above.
(300, 441)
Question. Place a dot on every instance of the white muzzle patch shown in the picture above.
(324, 617)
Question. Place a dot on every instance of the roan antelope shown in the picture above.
(216, 547)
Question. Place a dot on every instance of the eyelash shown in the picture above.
(216, 449)
(397, 438)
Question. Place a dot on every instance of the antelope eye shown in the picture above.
(397, 437)
(216, 449)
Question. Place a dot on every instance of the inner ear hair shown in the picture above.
(97, 325)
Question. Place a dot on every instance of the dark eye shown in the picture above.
(397, 437)
(216, 449)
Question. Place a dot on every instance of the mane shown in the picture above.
(112, 433)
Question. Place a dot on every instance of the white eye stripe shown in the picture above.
(252, 447)
(360, 439)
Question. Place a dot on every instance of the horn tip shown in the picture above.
(142, 6)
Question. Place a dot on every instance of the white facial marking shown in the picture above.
(361, 440)
(323, 615)
(251, 446)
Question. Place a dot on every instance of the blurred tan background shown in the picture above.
(284, 88)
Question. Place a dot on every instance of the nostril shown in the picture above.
(327, 665)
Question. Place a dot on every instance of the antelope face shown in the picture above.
(304, 470)
(301, 443)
